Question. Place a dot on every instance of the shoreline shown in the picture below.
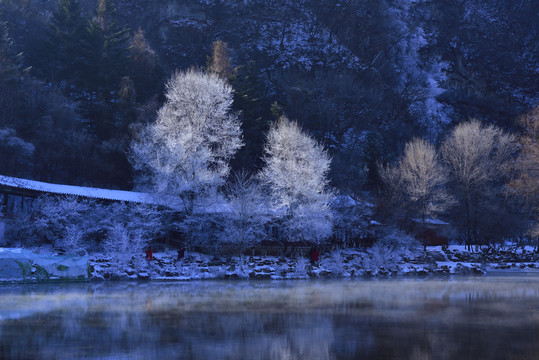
(349, 263)
(371, 263)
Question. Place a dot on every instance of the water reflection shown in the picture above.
(465, 318)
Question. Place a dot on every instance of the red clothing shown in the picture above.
(315, 256)
(149, 254)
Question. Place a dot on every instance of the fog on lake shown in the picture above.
(491, 317)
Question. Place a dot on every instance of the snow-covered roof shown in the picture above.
(83, 191)
(432, 221)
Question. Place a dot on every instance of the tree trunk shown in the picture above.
(467, 239)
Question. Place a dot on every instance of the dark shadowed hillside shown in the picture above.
(362, 76)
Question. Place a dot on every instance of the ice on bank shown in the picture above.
(18, 264)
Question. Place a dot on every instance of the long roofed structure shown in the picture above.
(31, 188)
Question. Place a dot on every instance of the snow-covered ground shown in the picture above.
(349, 263)
(341, 263)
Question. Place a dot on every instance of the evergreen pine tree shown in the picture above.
(11, 75)
(254, 107)
(146, 71)
(66, 31)
(11, 68)
(104, 65)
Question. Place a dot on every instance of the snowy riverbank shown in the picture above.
(376, 261)
(40, 265)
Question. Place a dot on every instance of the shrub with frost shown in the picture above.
(390, 248)
(72, 240)
(380, 255)
(67, 222)
(300, 269)
(20, 229)
(72, 224)
(125, 246)
(204, 230)
(145, 219)
(334, 263)
(399, 242)
(351, 216)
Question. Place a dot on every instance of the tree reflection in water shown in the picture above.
(432, 318)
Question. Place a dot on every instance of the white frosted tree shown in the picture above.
(247, 214)
(186, 152)
(15, 153)
(68, 222)
(72, 240)
(295, 172)
(419, 76)
(130, 228)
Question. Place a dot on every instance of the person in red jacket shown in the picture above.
(315, 256)
(149, 253)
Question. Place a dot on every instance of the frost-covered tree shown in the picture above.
(66, 222)
(186, 152)
(71, 224)
(15, 153)
(143, 219)
(476, 156)
(72, 240)
(295, 172)
(418, 78)
(352, 216)
(129, 230)
(247, 214)
(418, 179)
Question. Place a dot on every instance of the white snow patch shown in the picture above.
(432, 221)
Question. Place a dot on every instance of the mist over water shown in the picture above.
(492, 317)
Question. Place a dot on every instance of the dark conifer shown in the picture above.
(64, 55)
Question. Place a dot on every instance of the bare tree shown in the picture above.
(219, 63)
(418, 179)
(525, 168)
(295, 172)
(186, 152)
(475, 155)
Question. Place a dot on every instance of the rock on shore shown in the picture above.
(340, 263)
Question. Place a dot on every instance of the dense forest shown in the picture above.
(375, 83)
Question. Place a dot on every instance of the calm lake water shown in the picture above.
(491, 317)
